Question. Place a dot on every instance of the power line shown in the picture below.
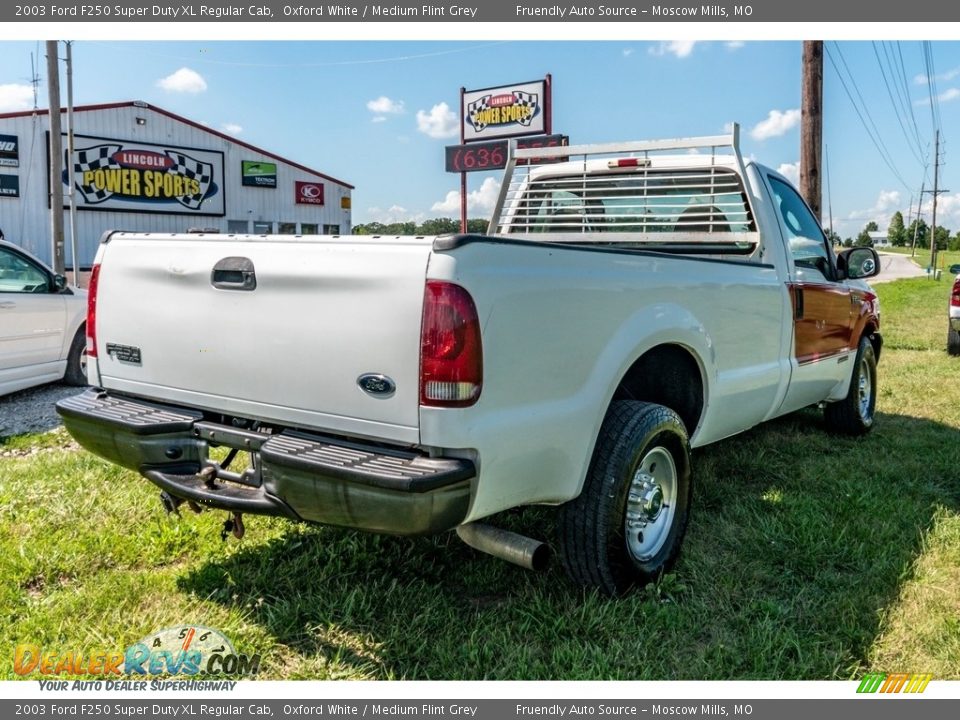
(906, 90)
(894, 104)
(876, 142)
(932, 85)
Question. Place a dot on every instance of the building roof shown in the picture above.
(185, 121)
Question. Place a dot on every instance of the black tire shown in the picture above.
(854, 414)
(953, 341)
(597, 548)
(76, 373)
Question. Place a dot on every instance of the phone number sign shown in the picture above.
(492, 155)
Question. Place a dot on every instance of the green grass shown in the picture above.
(807, 557)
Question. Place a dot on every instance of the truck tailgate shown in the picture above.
(323, 312)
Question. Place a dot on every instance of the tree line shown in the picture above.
(433, 226)
(901, 235)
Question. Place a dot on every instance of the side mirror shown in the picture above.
(859, 263)
(59, 282)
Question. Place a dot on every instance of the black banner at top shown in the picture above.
(617, 11)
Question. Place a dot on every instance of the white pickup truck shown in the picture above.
(631, 301)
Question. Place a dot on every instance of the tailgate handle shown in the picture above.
(234, 273)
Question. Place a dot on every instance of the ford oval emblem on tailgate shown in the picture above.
(376, 384)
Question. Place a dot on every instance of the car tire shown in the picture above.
(76, 373)
(626, 526)
(854, 415)
(953, 341)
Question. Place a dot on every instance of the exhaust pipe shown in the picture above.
(517, 549)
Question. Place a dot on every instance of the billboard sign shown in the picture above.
(9, 151)
(308, 193)
(505, 111)
(9, 186)
(256, 173)
(134, 176)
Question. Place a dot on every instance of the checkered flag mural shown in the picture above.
(475, 110)
(195, 170)
(528, 100)
(90, 159)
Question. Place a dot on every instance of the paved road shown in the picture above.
(896, 267)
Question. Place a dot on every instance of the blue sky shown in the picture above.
(372, 112)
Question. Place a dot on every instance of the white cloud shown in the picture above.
(944, 97)
(948, 212)
(15, 97)
(385, 106)
(943, 77)
(183, 80)
(483, 199)
(791, 171)
(777, 123)
(627, 52)
(735, 44)
(678, 48)
(393, 214)
(232, 128)
(440, 122)
(888, 202)
(378, 118)
(727, 128)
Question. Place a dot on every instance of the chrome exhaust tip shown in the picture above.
(510, 546)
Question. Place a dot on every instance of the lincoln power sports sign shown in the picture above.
(505, 111)
(121, 175)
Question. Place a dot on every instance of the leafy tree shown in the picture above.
(834, 238)
(848, 242)
(922, 231)
(477, 226)
(439, 226)
(896, 232)
(943, 237)
(863, 239)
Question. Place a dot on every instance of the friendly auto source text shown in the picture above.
(614, 11)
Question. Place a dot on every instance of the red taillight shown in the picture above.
(451, 357)
(92, 311)
(955, 295)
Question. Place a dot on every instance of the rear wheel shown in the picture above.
(626, 526)
(77, 360)
(854, 414)
(953, 342)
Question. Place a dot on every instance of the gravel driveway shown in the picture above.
(32, 410)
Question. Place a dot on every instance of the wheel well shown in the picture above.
(870, 332)
(668, 375)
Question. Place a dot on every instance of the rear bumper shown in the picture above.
(301, 476)
(955, 323)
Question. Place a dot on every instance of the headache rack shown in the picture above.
(681, 195)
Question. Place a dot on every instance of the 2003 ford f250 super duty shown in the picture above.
(630, 302)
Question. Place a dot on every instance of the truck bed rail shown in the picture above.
(630, 193)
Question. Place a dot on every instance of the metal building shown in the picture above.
(139, 167)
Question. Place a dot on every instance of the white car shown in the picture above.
(42, 320)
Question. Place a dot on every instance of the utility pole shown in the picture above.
(913, 247)
(56, 159)
(811, 124)
(933, 220)
(71, 189)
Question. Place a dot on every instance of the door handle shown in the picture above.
(7, 305)
(234, 273)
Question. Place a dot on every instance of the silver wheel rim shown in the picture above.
(651, 504)
(865, 389)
